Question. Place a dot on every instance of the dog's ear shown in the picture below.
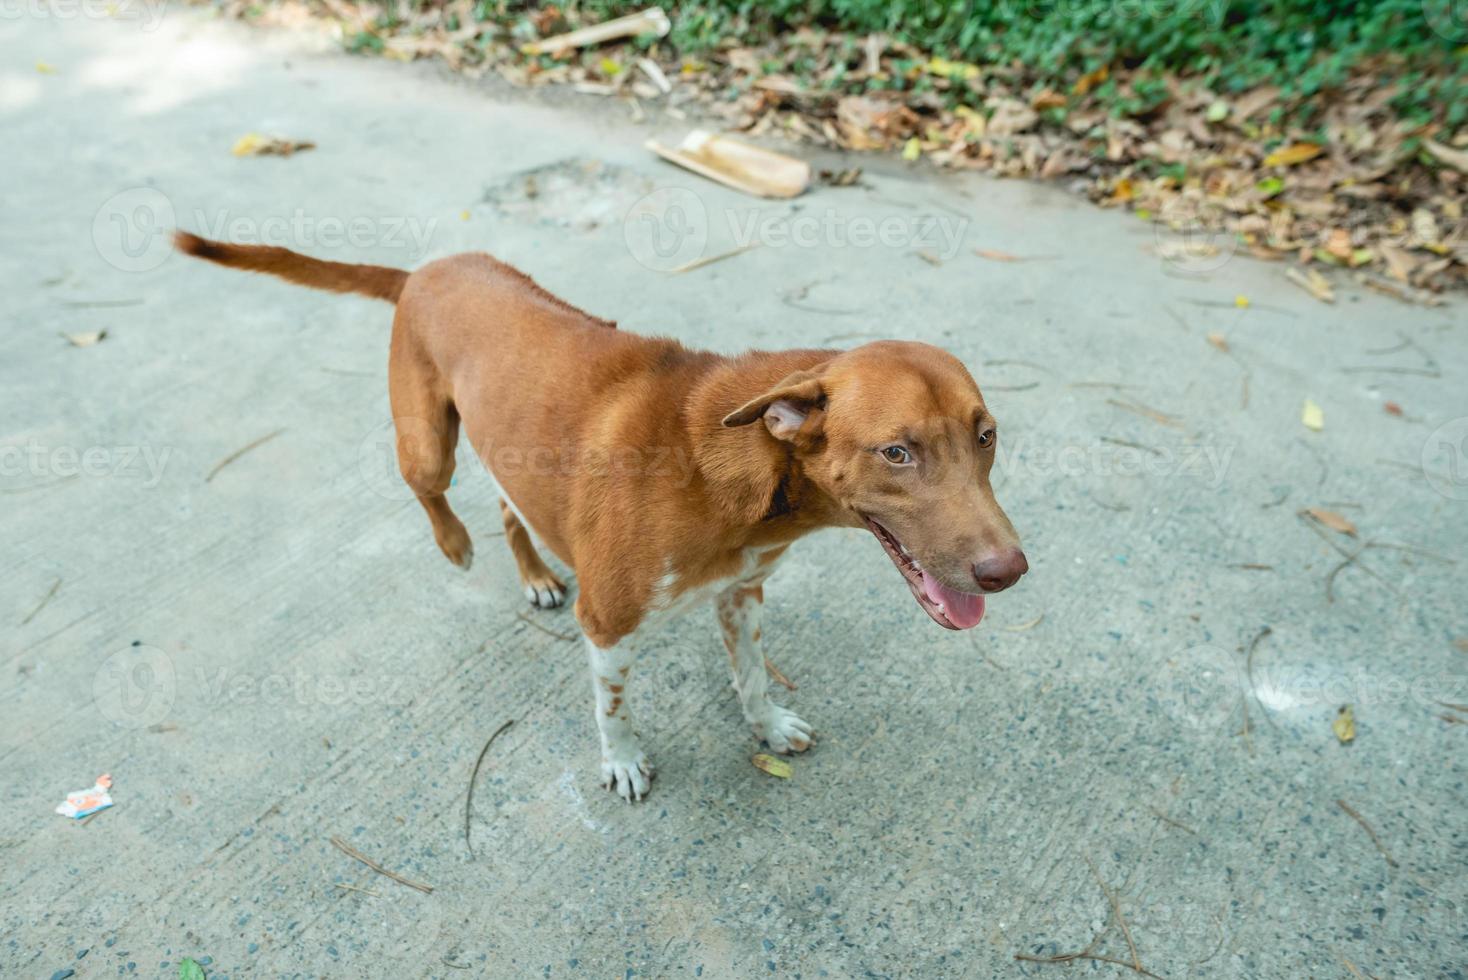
(785, 407)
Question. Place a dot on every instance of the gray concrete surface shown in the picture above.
(279, 655)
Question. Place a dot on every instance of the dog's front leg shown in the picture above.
(740, 609)
(624, 768)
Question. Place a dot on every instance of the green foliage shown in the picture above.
(1303, 46)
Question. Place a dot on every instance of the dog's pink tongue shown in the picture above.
(963, 609)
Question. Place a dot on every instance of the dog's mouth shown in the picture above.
(949, 608)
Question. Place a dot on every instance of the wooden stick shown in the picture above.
(240, 452)
(49, 596)
(544, 629)
(778, 677)
(357, 855)
(474, 778)
(1366, 827)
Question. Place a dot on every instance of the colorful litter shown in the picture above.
(85, 802)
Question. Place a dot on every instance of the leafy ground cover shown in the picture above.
(1319, 134)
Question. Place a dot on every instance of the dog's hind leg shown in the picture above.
(542, 587)
(427, 426)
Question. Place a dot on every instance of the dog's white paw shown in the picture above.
(627, 773)
(546, 595)
(783, 730)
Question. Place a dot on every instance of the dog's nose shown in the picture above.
(1001, 570)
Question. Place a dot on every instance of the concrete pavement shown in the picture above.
(270, 653)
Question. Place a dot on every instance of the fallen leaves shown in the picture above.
(90, 338)
(256, 145)
(1353, 186)
(1218, 340)
(1313, 283)
(1457, 159)
(1331, 519)
(773, 765)
(1293, 155)
(1312, 416)
(1344, 725)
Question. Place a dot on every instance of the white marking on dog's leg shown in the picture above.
(624, 768)
(740, 611)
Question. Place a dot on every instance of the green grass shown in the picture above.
(1304, 47)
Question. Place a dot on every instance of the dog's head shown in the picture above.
(897, 435)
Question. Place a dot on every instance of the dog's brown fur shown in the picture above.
(635, 459)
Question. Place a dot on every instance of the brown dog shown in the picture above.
(639, 463)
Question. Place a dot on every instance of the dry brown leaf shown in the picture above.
(1047, 99)
(1313, 283)
(1091, 79)
(1295, 153)
(1336, 522)
(1252, 103)
(772, 765)
(1392, 408)
(255, 145)
(1457, 159)
(89, 339)
(1219, 340)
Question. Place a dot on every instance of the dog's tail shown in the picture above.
(377, 281)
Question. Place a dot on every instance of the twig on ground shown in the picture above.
(778, 677)
(711, 259)
(1249, 670)
(1028, 387)
(1006, 361)
(1089, 953)
(544, 629)
(357, 855)
(1131, 445)
(1022, 627)
(1168, 820)
(39, 486)
(240, 452)
(354, 888)
(42, 605)
(1251, 566)
(1116, 909)
(1160, 418)
(473, 779)
(1367, 827)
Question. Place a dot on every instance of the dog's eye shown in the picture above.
(986, 438)
(897, 455)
